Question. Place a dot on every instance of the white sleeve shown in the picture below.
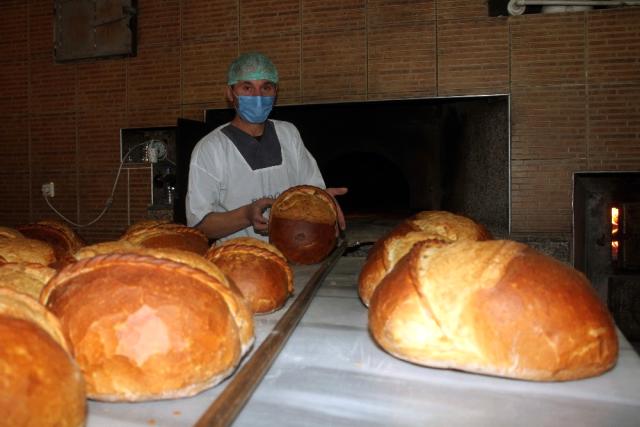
(204, 187)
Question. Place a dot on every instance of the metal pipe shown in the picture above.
(517, 7)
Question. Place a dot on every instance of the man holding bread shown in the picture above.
(239, 168)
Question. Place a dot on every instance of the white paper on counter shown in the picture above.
(331, 373)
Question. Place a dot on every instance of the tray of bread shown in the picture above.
(156, 322)
(161, 328)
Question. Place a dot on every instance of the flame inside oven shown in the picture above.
(615, 229)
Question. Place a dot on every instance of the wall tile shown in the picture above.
(53, 142)
(99, 141)
(614, 126)
(14, 193)
(14, 149)
(548, 49)
(14, 36)
(474, 61)
(402, 61)
(206, 19)
(541, 192)
(334, 66)
(204, 69)
(613, 45)
(456, 9)
(263, 18)
(52, 86)
(384, 13)
(321, 16)
(102, 85)
(158, 22)
(153, 77)
(41, 28)
(145, 117)
(548, 122)
(14, 87)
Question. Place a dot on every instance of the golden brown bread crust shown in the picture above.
(236, 301)
(26, 278)
(252, 241)
(10, 233)
(64, 241)
(139, 225)
(168, 235)
(493, 307)
(450, 226)
(303, 224)
(264, 278)
(20, 306)
(145, 328)
(27, 250)
(306, 203)
(41, 384)
(438, 227)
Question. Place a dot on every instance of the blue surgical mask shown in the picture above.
(255, 109)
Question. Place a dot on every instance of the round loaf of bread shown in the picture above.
(258, 269)
(303, 224)
(156, 235)
(144, 328)
(62, 238)
(26, 278)
(494, 307)
(41, 385)
(241, 311)
(27, 250)
(438, 228)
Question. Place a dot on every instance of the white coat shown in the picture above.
(220, 179)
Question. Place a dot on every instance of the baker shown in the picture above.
(239, 168)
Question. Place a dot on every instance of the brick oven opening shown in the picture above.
(397, 157)
(356, 170)
(606, 242)
(401, 157)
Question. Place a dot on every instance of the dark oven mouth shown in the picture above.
(401, 157)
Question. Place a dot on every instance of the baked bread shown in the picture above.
(7, 232)
(26, 278)
(494, 307)
(143, 224)
(145, 328)
(41, 384)
(27, 250)
(303, 224)
(439, 228)
(257, 269)
(237, 303)
(156, 234)
(62, 238)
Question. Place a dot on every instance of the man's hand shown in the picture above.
(255, 215)
(338, 191)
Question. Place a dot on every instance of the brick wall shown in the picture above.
(574, 81)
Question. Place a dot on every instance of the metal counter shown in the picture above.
(331, 373)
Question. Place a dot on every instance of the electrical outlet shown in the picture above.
(48, 189)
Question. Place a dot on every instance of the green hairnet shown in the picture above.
(252, 66)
